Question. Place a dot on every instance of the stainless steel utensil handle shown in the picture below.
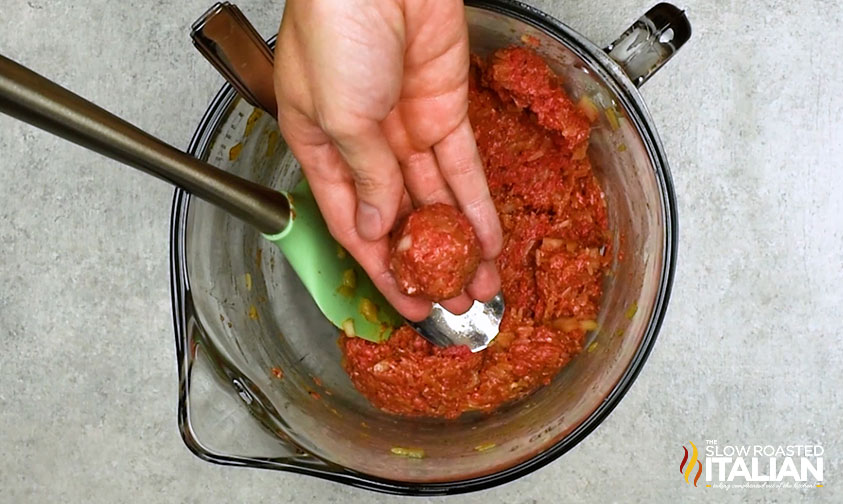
(233, 46)
(43, 103)
(650, 42)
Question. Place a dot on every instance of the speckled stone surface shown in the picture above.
(749, 112)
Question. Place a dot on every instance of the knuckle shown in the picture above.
(339, 125)
(417, 162)
(370, 182)
(462, 166)
(366, 182)
(439, 195)
(476, 206)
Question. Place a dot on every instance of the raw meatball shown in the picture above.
(434, 252)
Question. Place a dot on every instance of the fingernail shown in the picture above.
(369, 221)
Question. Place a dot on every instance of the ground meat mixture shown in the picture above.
(434, 252)
(533, 141)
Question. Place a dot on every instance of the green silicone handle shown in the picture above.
(337, 283)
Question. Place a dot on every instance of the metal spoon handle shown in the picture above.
(43, 103)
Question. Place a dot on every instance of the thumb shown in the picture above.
(376, 173)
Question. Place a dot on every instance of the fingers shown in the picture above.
(461, 167)
(424, 181)
(422, 177)
(376, 174)
(486, 282)
(336, 197)
(459, 304)
(483, 287)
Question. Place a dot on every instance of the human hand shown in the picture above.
(373, 101)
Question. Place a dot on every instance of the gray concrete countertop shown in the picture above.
(750, 114)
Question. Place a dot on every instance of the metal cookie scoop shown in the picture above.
(232, 45)
(476, 328)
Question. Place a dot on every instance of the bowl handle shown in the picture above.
(232, 45)
(650, 42)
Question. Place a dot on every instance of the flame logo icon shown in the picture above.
(687, 466)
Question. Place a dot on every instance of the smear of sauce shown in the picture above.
(252, 121)
(235, 151)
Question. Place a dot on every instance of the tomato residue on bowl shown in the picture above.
(533, 140)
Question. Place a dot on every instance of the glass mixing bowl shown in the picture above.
(261, 383)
